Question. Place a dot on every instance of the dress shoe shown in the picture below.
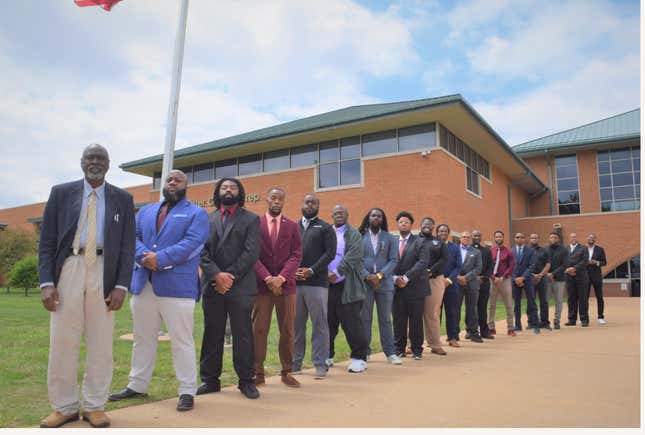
(185, 403)
(546, 326)
(570, 323)
(452, 342)
(584, 323)
(556, 325)
(438, 351)
(467, 335)
(249, 390)
(289, 380)
(208, 388)
(517, 328)
(56, 419)
(417, 356)
(259, 379)
(96, 418)
(492, 331)
(401, 355)
(511, 333)
(476, 338)
(126, 393)
(488, 336)
(536, 330)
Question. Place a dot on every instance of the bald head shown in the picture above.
(340, 215)
(175, 186)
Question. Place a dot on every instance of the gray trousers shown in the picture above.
(556, 288)
(311, 301)
(383, 301)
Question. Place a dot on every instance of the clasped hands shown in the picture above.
(274, 284)
(149, 260)
(519, 281)
(222, 282)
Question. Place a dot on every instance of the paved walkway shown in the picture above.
(574, 377)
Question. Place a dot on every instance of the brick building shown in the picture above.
(434, 157)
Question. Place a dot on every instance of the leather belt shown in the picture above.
(81, 251)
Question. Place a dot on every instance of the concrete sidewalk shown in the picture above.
(575, 377)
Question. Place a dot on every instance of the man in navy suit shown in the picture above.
(165, 286)
(596, 261)
(380, 256)
(85, 259)
(522, 279)
(451, 294)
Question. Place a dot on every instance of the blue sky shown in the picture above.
(73, 76)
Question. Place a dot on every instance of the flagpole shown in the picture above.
(173, 106)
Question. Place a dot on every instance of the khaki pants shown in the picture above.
(504, 287)
(81, 309)
(285, 307)
(432, 311)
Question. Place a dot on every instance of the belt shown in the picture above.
(99, 251)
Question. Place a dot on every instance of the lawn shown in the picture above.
(24, 340)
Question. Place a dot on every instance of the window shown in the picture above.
(627, 270)
(203, 173)
(340, 163)
(276, 160)
(226, 168)
(472, 181)
(304, 156)
(250, 164)
(382, 142)
(189, 173)
(619, 179)
(462, 151)
(156, 180)
(566, 175)
(419, 136)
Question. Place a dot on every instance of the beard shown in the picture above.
(229, 200)
(309, 215)
(174, 198)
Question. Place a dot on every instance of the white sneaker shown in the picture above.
(602, 321)
(394, 359)
(329, 362)
(357, 366)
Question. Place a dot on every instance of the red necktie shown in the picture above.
(401, 247)
(273, 231)
(162, 216)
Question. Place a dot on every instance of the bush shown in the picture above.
(15, 245)
(25, 273)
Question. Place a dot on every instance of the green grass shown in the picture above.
(24, 340)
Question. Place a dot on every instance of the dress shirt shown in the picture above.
(590, 252)
(405, 278)
(231, 211)
(305, 222)
(277, 218)
(100, 213)
(506, 261)
(340, 252)
(572, 247)
(374, 240)
(464, 250)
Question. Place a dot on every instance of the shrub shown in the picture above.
(15, 245)
(24, 273)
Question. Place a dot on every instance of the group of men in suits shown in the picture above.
(172, 254)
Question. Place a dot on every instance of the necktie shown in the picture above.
(162, 216)
(519, 251)
(401, 247)
(496, 262)
(90, 241)
(225, 217)
(273, 231)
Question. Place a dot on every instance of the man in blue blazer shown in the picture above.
(165, 286)
(380, 256)
(451, 295)
(522, 279)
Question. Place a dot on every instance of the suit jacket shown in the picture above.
(414, 265)
(233, 249)
(60, 220)
(558, 257)
(282, 259)
(578, 260)
(487, 261)
(385, 259)
(177, 244)
(524, 265)
(595, 272)
(437, 256)
(351, 267)
(471, 267)
(318, 250)
(453, 262)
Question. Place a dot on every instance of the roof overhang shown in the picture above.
(604, 143)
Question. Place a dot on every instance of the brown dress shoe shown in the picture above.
(492, 331)
(56, 419)
(452, 342)
(438, 351)
(259, 380)
(289, 380)
(96, 418)
(511, 333)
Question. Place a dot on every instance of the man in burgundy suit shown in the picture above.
(275, 270)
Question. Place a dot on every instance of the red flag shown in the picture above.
(105, 4)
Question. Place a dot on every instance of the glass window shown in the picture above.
(305, 155)
(226, 168)
(276, 160)
(604, 180)
(621, 154)
(626, 192)
(568, 184)
(569, 208)
(603, 156)
(350, 172)
(202, 173)
(189, 173)
(619, 179)
(603, 168)
(250, 164)
(566, 160)
(635, 267)
(156, 180)
(452, 146)
(443, 137)
(419, 136)
(566, 174)
(605, 195)
(350, 148)
(621, 165)
(565, 197)
(472, 181)
(328, 175)
(329, 151)
(382, 142)
(623, 179)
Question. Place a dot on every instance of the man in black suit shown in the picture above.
(87, 234)
(411, 286)
(471, 268)
(542, 266)
(596, 260)
(484, 285)
(229, 287)
(577, 282)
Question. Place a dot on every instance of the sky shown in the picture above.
(73, 76)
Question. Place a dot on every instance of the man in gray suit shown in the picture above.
(380, 257)
(85, 260)
(471, 268)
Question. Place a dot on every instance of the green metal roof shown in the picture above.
(616, 128)
(324, 120)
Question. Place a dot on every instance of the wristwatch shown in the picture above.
(379, 275)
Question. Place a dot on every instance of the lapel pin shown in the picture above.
(116, 217)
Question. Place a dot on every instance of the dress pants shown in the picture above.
(311, 301)
(216, 308)
(285, 308)
(432, 311)
(349, 317)
(482, 306)
(542, 291)
(556, 288)
(407, 312)
(451, 306)
(148, 312)
(470, 292)
(597, 288)
(503, 288)
(383, 301)
(81, 309)
(531, 307)
(577, 294)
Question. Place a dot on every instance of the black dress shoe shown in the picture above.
(208, 388)
(126, 393)
(185, 403)
(249, 390)
(476, 338)
(585, 324)
(488, 337)
(570, 323)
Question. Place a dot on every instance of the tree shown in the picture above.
(15, 244)
(24, 273)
